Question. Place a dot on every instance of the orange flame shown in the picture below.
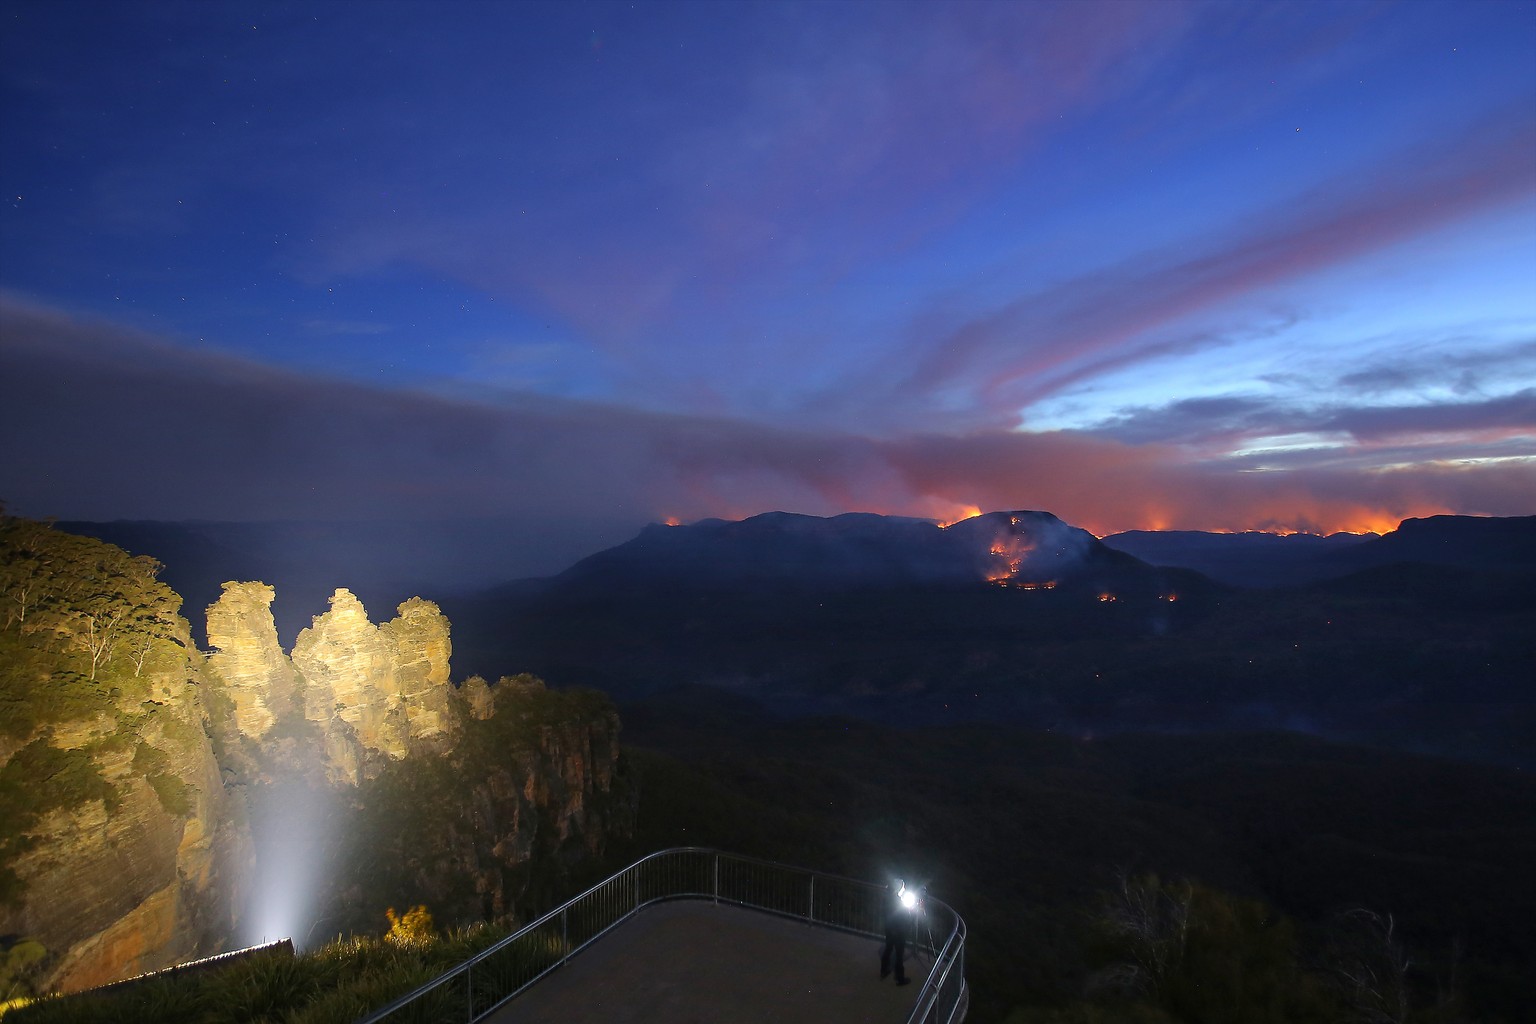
(960, 515)
(1011, 552)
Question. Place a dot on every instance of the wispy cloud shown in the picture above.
(1467, 362)
(1037, 343)
(836, 136)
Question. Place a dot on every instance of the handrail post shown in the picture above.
(810, 912)
(469, 994)
(716, 859)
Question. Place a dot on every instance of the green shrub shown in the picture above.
(336, 984)
(19, 962)
(412, 928)
(38, 779)
(175, 795)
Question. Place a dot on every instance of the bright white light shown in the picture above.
(908, 898)
(290, 826)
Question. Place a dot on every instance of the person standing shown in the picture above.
(898, 918)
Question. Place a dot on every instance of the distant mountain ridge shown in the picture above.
(384, 563)
(1253, 559)
(1466, 542)
(857, 549)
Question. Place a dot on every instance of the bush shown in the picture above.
(38, 779)
(412, 928)
(336, 984)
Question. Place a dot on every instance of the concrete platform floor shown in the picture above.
(692, 962)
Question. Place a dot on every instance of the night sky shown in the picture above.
(1207, 266)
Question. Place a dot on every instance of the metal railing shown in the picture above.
(485, 982)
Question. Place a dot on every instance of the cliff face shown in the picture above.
(131, 767)
(491, 829)
(475, 800)
(121, 849)
(114, 890)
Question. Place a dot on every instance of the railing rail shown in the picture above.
(486, 982)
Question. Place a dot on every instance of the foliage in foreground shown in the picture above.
(336, 984)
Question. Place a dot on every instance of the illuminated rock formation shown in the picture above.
(421, 648)
(257, 675)
(345, 663)
(389, 682)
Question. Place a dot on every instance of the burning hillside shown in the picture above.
(1029, 550)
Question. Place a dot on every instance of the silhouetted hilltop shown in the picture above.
(1017, 616)
(782, 549)
(1466, 542)
(1250, 559)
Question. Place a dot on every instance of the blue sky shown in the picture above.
(1221, 265)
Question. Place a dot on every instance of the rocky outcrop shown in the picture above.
(478, 697)
(389, 682)
(346, 664)
(256, 674)
(143, 880)
(418, 638)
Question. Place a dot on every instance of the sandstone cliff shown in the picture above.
(389, 682)
(121, 849)
(475, 800)
(371, 693)
(131, 767)
(256, 674)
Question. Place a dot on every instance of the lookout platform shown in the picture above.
(696, 962)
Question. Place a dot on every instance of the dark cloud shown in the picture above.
(1464, 362)
(1219, 421)
(1506, 415)
(1228, 423)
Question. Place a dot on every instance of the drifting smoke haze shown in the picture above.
(139, 428)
